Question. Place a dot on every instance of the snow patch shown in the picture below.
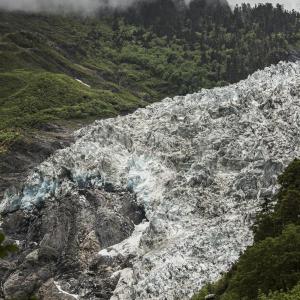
(85, 84)
(64, 292)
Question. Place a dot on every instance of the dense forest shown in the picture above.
(130, 58)
(270, 269)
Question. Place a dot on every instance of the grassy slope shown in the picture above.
(40, 57)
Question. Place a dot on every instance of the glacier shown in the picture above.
(200, 165)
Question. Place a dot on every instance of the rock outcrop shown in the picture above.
(154, 204)
(28, 152)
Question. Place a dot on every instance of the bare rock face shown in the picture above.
(59, 241)
(155, 204)
(52, 291)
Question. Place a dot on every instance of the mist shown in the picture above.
(288, 4)
(88, 7)
(54, 6)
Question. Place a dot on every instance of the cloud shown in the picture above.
(88, 7)
(76, 6)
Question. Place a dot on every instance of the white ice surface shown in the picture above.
(200, 165)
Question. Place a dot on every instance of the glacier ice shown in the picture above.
(201, 165)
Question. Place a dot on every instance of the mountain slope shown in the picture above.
(58, 72)
(156, 203)
(130, 58)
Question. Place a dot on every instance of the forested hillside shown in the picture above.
(130, 58)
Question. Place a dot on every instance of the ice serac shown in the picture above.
(201, 166)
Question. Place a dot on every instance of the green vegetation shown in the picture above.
(270, 269)
(65, 98)
(294, 294)
(6, 249)
(130, 58)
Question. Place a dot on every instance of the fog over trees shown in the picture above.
(288, 4)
